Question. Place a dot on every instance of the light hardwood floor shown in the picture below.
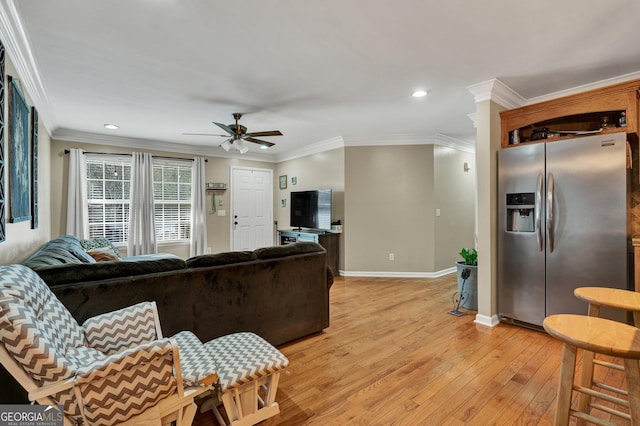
(393, 355)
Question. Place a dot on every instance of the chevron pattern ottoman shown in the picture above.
(248, 373)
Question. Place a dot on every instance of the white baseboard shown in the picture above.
(383, 274)
(489, 321)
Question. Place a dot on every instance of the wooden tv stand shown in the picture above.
(329, 240)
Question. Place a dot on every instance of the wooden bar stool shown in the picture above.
(616, 298)
(600, 336)
(598, 297)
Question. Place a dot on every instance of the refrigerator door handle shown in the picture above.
(550, 227)
(537, 215)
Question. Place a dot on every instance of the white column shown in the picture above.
(491, 97)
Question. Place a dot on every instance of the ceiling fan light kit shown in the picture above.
(240, 146)
(237, 135)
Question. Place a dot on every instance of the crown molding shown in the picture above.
(18, 48)
(473, 116)
(455, 143)
(410, 139)
(133, 143)
(585, 87)
(314, 148)
(384, 140)
(498, 92)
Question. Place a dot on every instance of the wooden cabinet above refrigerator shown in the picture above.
(593, 111)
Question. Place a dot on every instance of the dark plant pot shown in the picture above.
(470, 291)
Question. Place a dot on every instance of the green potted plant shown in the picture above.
(470, 292)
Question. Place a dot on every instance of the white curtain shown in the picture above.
(77, 201)
(198, 208)
(142, 233)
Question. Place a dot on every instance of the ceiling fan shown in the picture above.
(237, 134)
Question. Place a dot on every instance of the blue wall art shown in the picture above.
(19, 159)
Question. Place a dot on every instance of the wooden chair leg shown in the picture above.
(632, 370)
(586, 375)
(586, 381)
(565, 384)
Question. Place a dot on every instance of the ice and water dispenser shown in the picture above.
(521, 212)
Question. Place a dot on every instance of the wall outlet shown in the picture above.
(208, 250)
(392, 256)
(222, 212)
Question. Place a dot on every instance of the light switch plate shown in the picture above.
(222, 212)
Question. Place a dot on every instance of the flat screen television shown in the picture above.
(311, 209)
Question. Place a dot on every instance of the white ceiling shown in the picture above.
(318, 71)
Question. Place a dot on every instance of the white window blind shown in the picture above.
(108, 186)
(108, 189)
(172, 198)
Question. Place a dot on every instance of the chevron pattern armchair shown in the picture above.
(116, 368)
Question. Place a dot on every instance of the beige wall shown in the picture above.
(217, 170)
(21, 240)
(391, 194)
(316, 171)
(454, 194)
(389, 208)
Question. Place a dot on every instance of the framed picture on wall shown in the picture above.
(3, 201)
(283, 182)
(34, 168)
(19, 160)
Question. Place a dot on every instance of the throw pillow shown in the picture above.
(96, 243)
(104, 254)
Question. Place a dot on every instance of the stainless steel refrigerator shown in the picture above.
(563, 224)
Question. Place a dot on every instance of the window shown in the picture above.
(172, 198)
(108, 190)
(108, 185)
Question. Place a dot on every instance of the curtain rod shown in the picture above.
(66, 151)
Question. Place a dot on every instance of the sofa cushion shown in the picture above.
(59, 251)
(288, 250)
(64, 274)
(153, 257)
(217, 259)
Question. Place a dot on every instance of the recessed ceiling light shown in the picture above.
(111, 126)
(419, 93)
(263, 147)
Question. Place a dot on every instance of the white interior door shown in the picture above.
(252, 208)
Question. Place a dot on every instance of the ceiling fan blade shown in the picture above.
(267, 133)
(258, 141)
(224, 127)
(204, 134)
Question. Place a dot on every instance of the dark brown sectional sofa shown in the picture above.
(280, 293)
